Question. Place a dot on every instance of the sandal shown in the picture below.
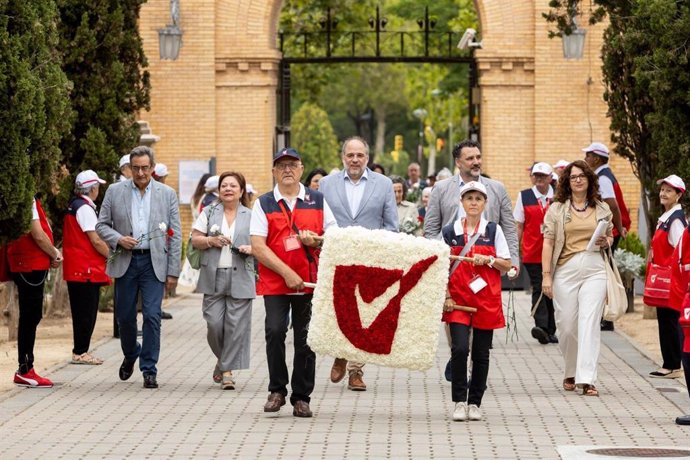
(228, 383)
(589, 390)
(217, 374)
(86, 358)
(569, 384)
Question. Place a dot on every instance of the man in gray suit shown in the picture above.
(140, 222)
(444, 204)
(358, 196)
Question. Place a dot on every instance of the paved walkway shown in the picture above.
(92, 414)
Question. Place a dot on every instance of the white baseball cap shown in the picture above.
(473, 186)
(554, 176)
(211, 183)
(160, 170)
(124, 160)
(561, 164)
(598, 148)
(541, 168)
(674, 181)
(87, 178)
(249, 189)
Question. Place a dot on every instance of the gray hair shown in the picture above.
(354, 138)
(141, 151)
(84, 190)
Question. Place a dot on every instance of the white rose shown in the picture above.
(214, 229)
(162, 227)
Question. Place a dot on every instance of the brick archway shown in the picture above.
(219, 98)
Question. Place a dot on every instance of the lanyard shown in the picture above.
(541, 205)
(464, 229)
(289, 216)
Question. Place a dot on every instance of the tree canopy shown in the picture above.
(314, 139)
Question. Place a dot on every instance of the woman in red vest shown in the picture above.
(680, 299)
(29, 258)
(478, 285)
(669, 231)
(84, 269)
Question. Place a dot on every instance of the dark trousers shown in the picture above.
(304, 363)
(83, 302)
(140, 277)
(670, 337)
(30, 292)
(543, 315)
(460, 350)
(686, 370)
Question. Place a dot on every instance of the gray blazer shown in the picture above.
(115, 221)
(242, 282)
(445, 201)
(377, 209)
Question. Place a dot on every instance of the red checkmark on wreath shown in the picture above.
(372, 283)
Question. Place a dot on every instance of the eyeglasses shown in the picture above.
(578, 177)
(144, 169)
(286, 166)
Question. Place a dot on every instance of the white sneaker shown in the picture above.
(473, 412)
(460, 412)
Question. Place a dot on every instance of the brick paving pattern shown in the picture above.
(403, 414)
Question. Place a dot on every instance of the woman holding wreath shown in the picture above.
(574, 277)
(669, 231)
(226, 276)
(475, 284)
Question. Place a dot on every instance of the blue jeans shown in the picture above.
(140, 277)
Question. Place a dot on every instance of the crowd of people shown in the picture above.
(270, 245)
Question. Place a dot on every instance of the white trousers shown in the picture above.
(579, 288)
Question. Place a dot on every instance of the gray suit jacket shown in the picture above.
(115, 221)
(377, 209)
(445, 201)
(242, 282)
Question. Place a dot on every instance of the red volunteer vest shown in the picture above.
(24, 255)
(680, 271)
(625, 215)
(307, 215)
(488, 302)
(532, 238)
(82, 262)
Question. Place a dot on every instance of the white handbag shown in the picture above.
(616, 297)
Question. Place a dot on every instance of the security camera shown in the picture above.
(467, 40)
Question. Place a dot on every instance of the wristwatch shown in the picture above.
(492, 259)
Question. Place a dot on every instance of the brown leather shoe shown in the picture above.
(301, 409)
(338, 370)
(355, 382)
(274, 403)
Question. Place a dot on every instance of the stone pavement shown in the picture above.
(92, 414)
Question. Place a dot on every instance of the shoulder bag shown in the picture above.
(616, 298)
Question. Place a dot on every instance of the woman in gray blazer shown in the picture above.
(226, 276)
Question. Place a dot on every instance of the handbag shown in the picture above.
(616, 298)
(193, 255)
(657, 286)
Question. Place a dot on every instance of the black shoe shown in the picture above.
(606, 325)
(540, 334)
(683, 420)
(126, 369)
(553, 338)
(165, 315)
(150, 381)
(448, 373)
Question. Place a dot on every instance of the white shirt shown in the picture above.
(34, 210)
(500, 243)
(605, 185)
(86, 216)
(355, 191)
(519, 211)
(201, 224)
(676, 231)
(259, 223)
(141, 212)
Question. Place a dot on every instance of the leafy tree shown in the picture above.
(645, 69)
(104, 58)
(34, 109)
(314, 139)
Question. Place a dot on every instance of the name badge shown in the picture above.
(292, 243)
(477, 284)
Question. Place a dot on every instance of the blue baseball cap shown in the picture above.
(287, 152)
